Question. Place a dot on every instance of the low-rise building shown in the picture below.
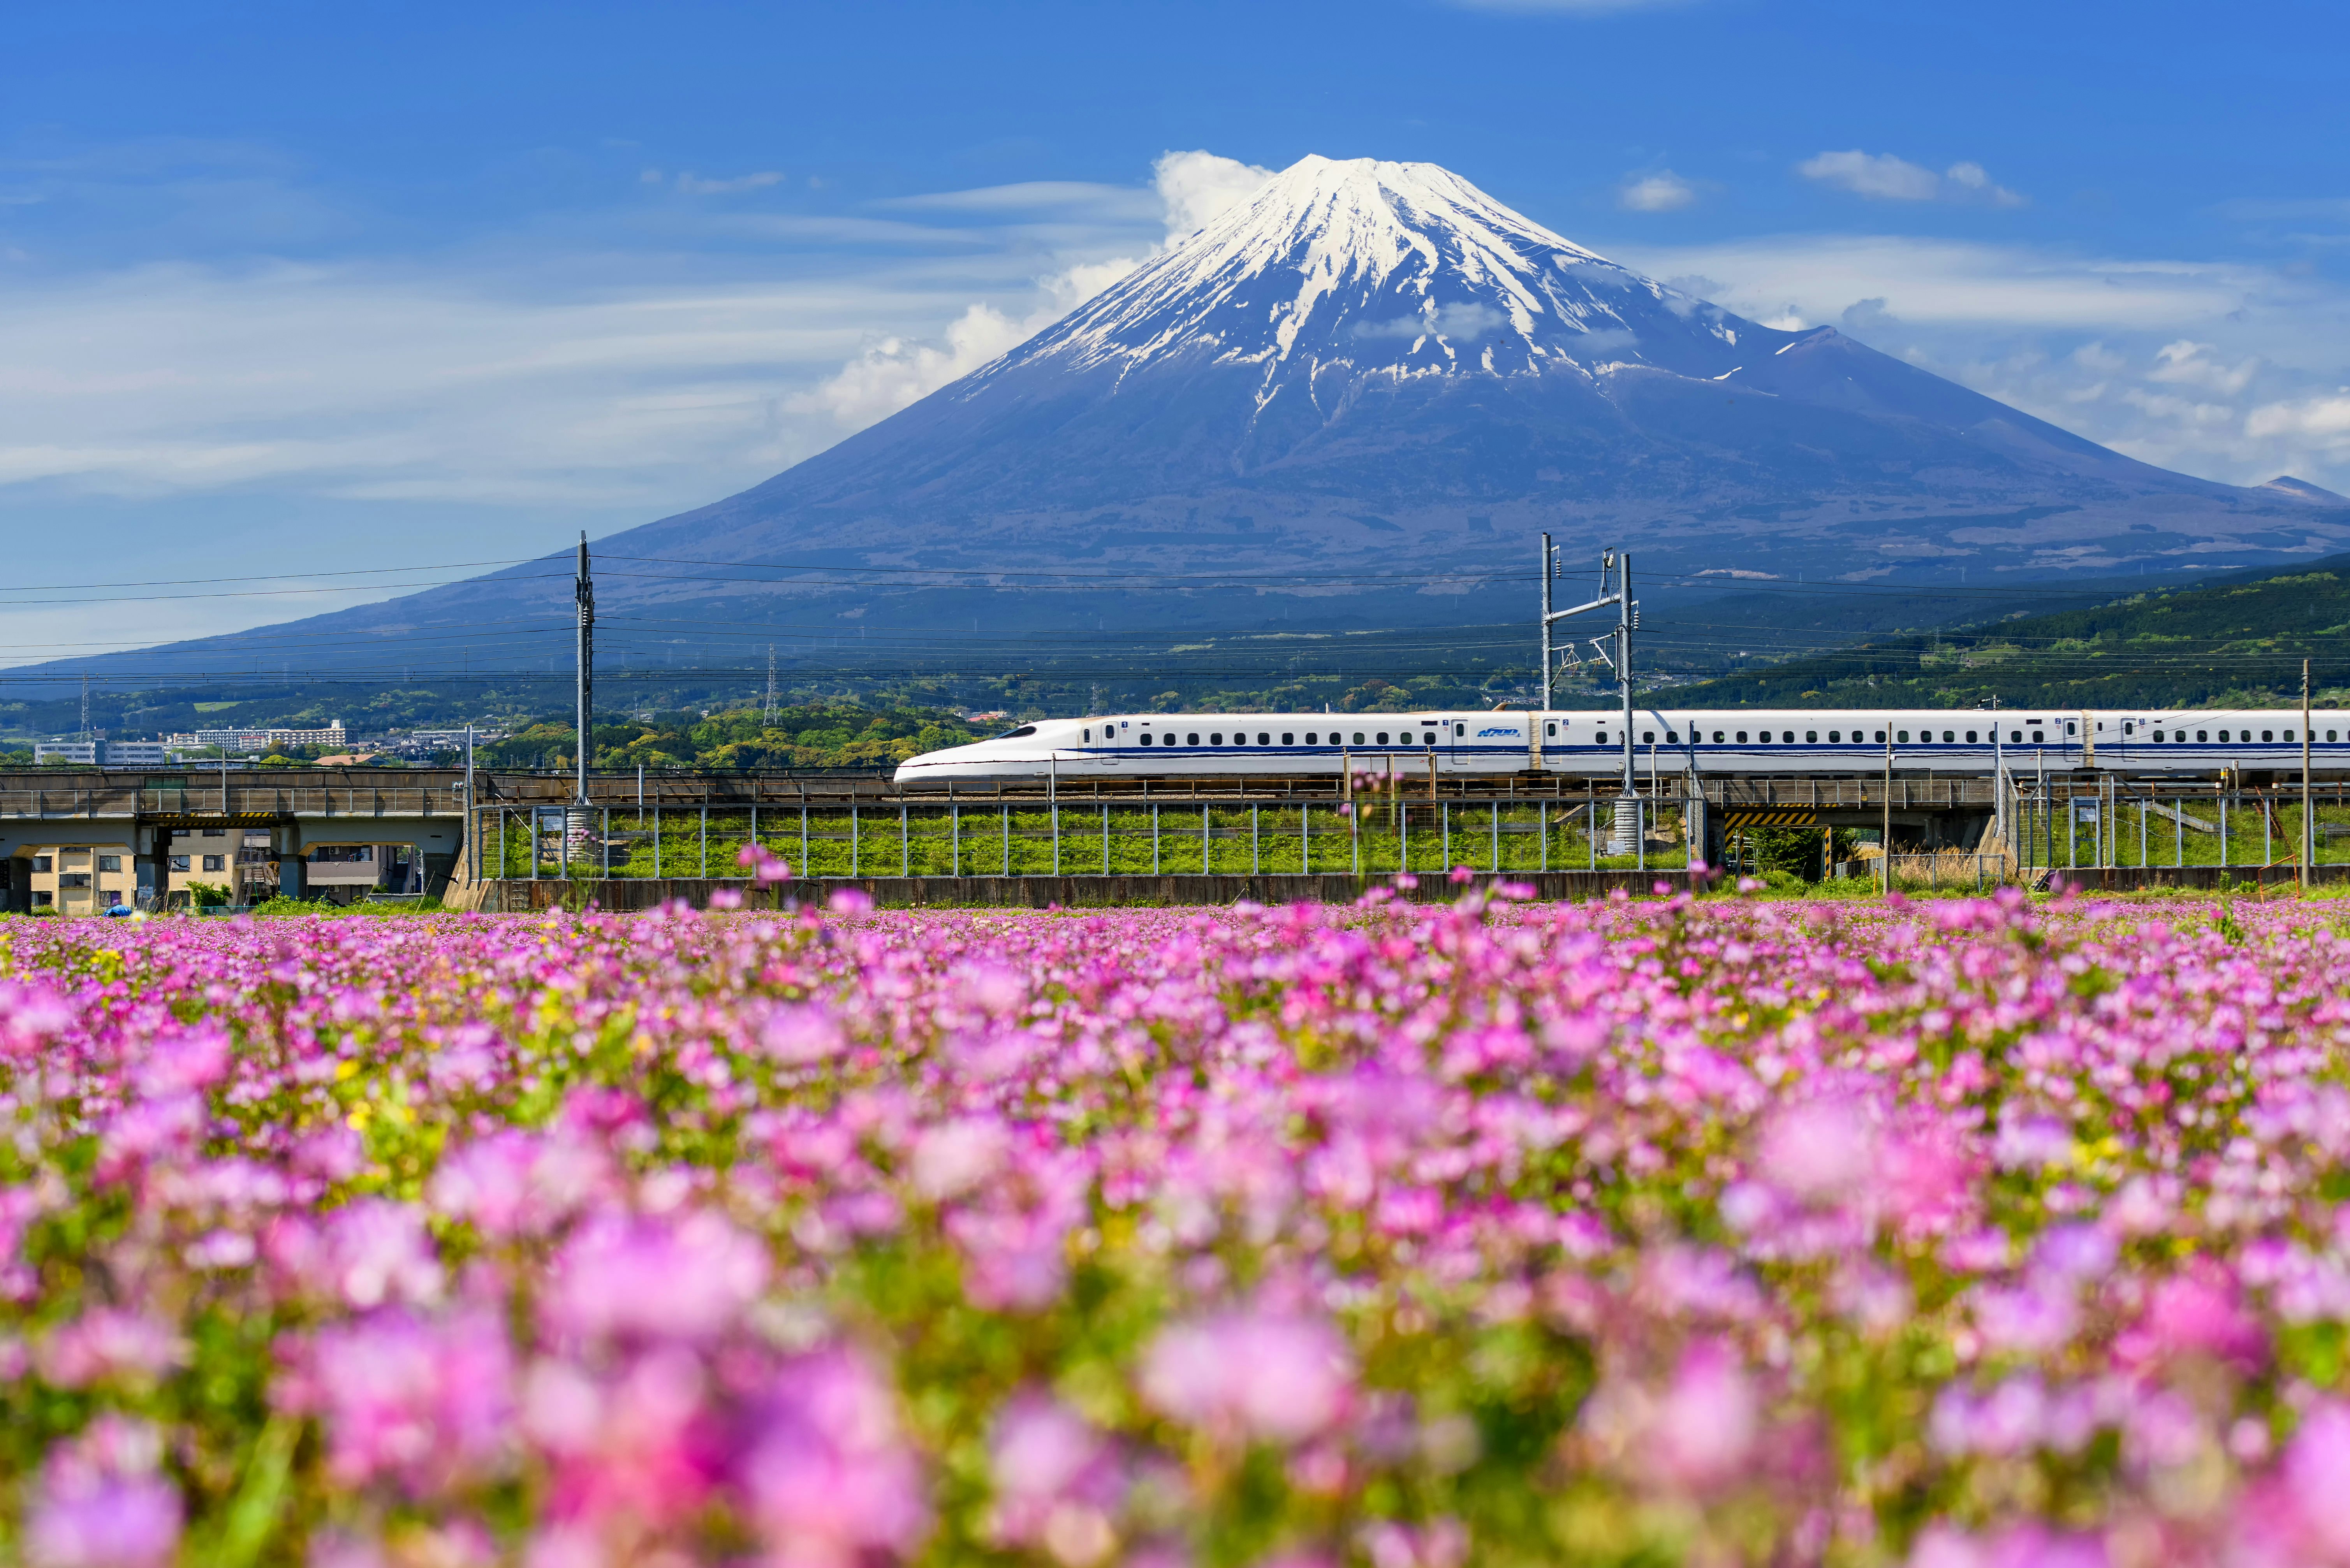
(334, 734)
(82, 752)
(78, 878)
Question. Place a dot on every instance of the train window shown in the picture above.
(1902, 737)
(1383, 737)
(1647, 737)
(2038, 739)
(1601, 738)
(2071, 728)
(2015, 735)
(1880, 737)
(2128, 728)
(1192, 739)
(1460, 729)
(1550, 729)
(1146, 737)
(2202, 735)
(1741, 737)
(1263, 740)
(2329, 735)
(1835, 736)
(2270, 735)
(1359, 737)
(1970, 737)
(2223, 735)
(1428, 739)
(1087, 736)
(1288, 738)
(2157, 736)
(1216, 738)
(1717, 737)
(2289, 734)
(1017, 734)
(1811, 737)
(1671, 738)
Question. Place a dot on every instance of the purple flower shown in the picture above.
(100, 1503)
(831, 1481)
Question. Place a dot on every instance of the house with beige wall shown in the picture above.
(79, 878)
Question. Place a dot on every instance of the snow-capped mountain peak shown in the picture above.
(1362, 266)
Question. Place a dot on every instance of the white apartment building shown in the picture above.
(334, 734)
(82, 752)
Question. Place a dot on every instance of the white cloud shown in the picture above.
(1197, 187)
(2217, 368)
(1189, 190)
(2188, 363)
(1881, 176)
(1973, 179)
(1663, 191)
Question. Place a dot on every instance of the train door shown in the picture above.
(1456, 743)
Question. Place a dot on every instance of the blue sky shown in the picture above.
(291, 288)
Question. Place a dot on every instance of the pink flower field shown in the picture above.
(1955, 1234)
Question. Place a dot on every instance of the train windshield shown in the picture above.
(1017, 734)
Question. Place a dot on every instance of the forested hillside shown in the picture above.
(2239, 640)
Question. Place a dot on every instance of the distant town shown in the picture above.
(327, 747)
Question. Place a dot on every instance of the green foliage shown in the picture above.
(208, 895)
(2240, 640)
(1790, 852)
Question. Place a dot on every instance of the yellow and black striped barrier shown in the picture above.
(1776, 816)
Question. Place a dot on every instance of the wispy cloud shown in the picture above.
(1881, 176)
(1662, 191)
(2222, 369)
(693, 184)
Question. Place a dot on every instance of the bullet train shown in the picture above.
(1808, 741)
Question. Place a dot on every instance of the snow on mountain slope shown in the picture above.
(1405, 268)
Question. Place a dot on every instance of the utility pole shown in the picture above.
(2308, 822)
(583, 592)
(1615, 589)
(85, 704)
(1885, 834)
(472, 816)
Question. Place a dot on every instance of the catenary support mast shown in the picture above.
(583, 592)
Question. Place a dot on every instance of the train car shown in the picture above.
(1811, 742)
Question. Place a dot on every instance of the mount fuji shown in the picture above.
(1356, 396)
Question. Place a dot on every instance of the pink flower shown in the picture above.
(426, 1404)
(2317, 1474)
(1703, 1429)
(98, 1502)
(800, 1034)
(1251, 1374)
(1058, 1481)
(2194, 1315)
(831, 1481)
(686, 1279)
(108, 1343)
(1819, 1152)
(952, 1158)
